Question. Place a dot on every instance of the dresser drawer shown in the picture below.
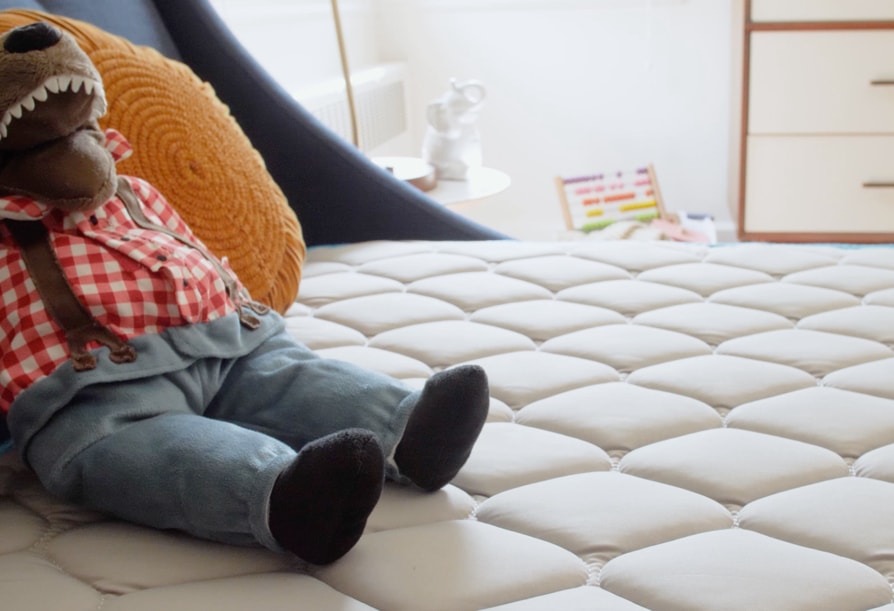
(821, 10)
(816, 82)
(815, 185)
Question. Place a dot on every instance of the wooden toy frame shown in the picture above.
(595, 201)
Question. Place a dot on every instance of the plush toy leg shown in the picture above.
(444, 425)
(320, 503)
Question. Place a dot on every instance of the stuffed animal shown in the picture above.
(140, 379)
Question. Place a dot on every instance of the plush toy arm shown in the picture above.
(149, 209)
(153, 203)
(159, 211)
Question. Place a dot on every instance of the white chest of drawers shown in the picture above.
(816, 156)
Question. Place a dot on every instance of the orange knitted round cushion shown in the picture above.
(191, 149)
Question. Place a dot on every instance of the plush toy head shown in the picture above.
(51, 95)
(189, 147)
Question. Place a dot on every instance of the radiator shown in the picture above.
(380, 95)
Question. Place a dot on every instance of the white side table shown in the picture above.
(481, 183)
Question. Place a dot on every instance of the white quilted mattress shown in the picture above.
(672, 427)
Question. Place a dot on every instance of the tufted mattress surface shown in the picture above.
(672, 427)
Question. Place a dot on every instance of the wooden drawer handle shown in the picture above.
(882, 83)
(878, 185)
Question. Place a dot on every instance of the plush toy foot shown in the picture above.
(320, 503)
(444, 425)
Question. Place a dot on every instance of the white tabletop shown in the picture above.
(481, 183)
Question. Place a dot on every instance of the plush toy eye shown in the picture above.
(33, 37)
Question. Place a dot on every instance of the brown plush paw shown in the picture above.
(320, 503)
(443, 427)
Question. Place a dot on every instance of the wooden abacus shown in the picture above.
(595, 201)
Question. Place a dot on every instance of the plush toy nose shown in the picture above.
(33, 37)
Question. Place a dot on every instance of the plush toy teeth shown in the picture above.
(56, 84)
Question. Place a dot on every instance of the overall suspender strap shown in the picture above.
(63, 305)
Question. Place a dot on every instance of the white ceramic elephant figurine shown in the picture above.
(452, 143)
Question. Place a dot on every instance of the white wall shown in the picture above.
(295, 39)
(575, 86)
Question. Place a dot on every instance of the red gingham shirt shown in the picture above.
(133, 280)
